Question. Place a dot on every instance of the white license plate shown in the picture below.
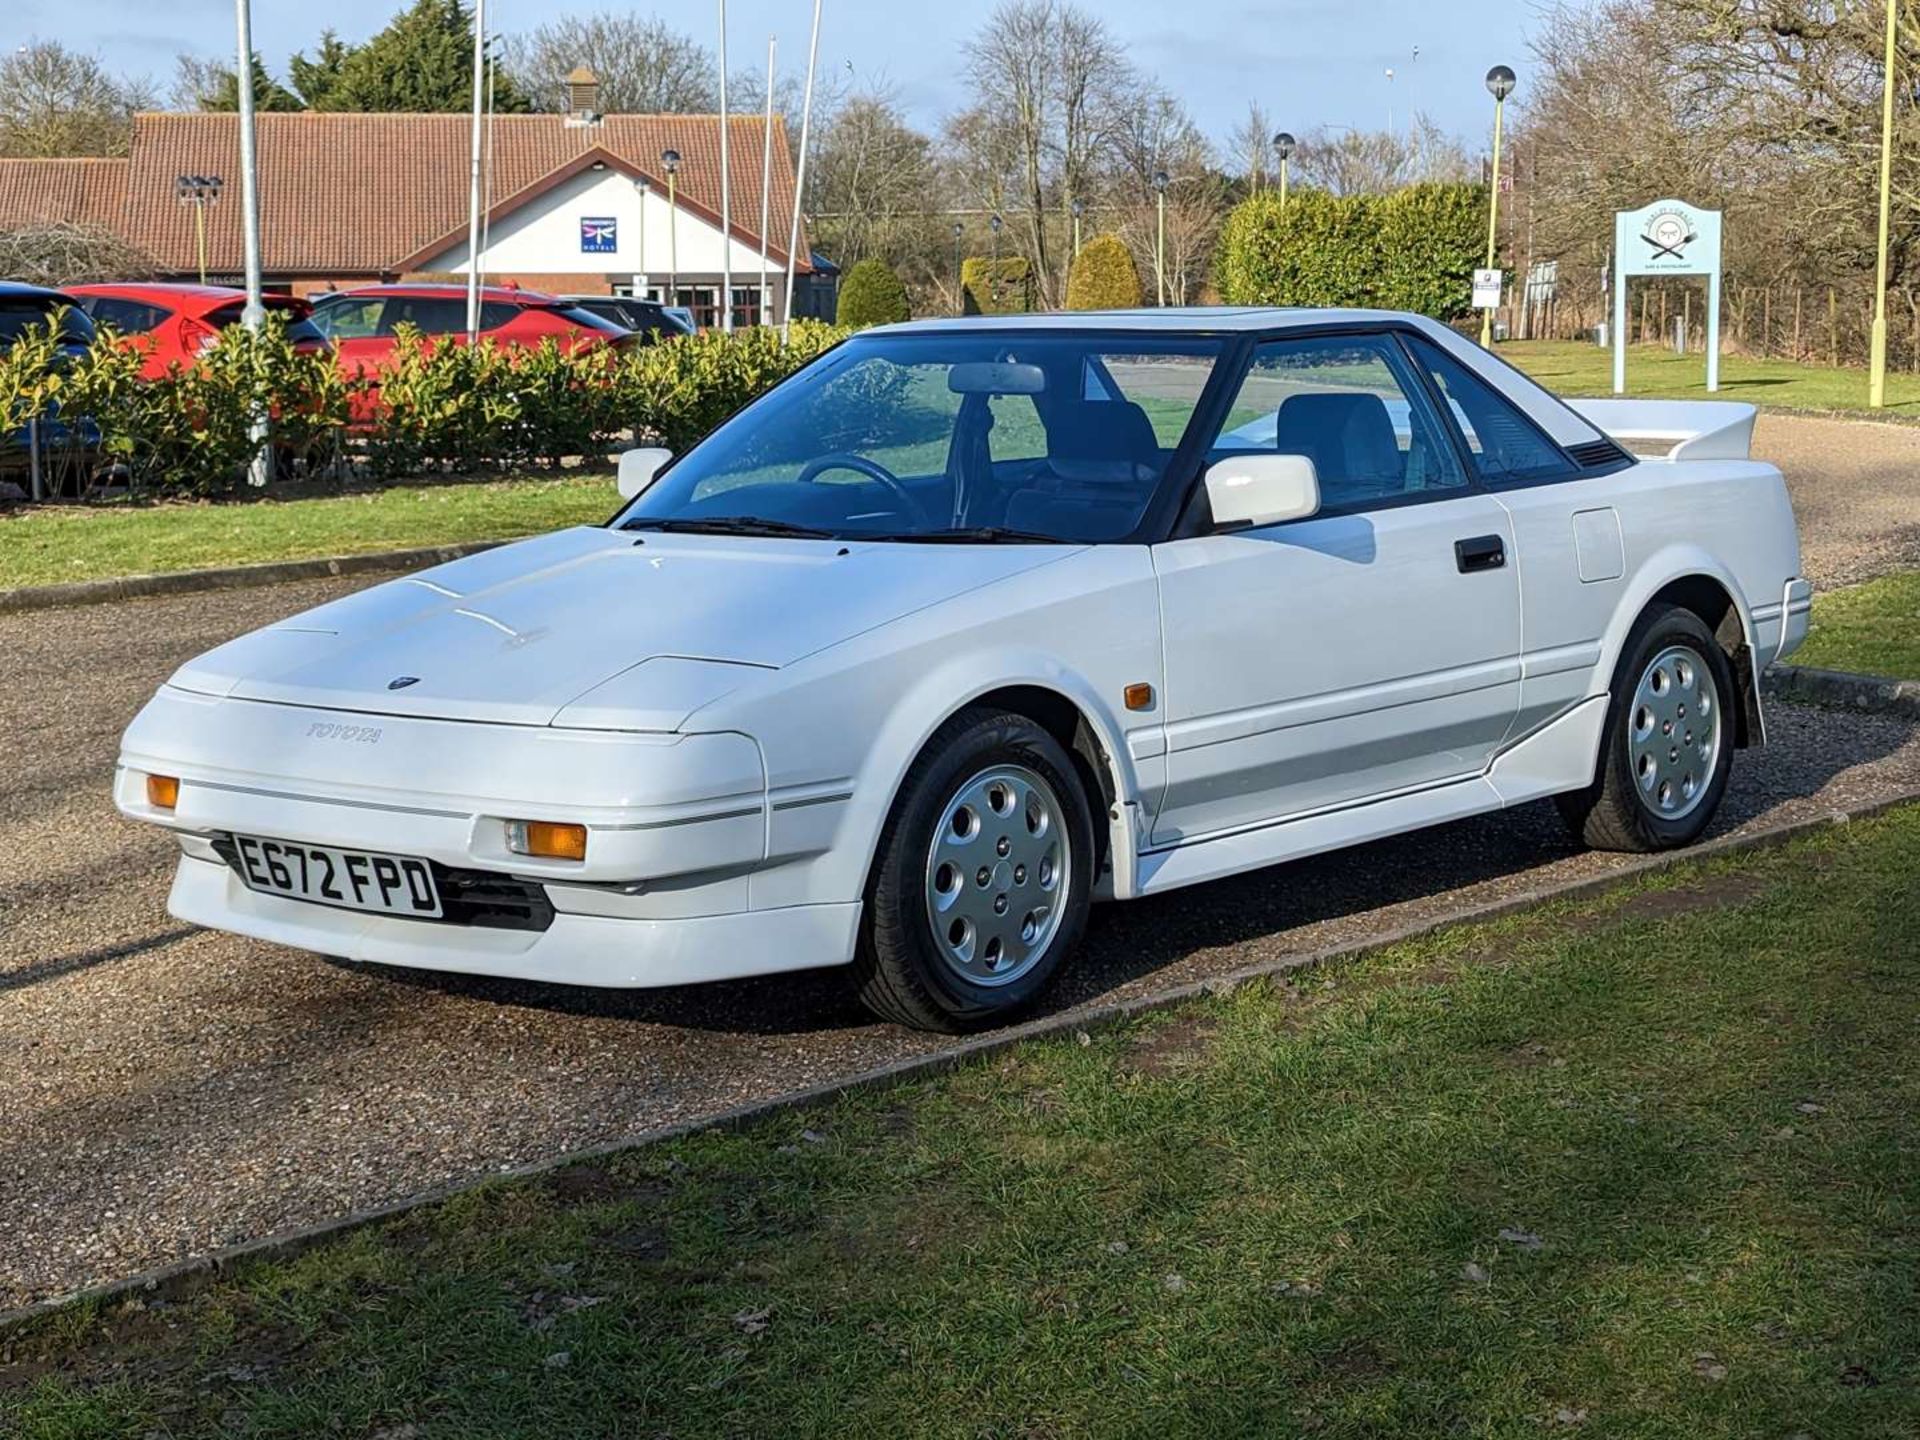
(349, 879)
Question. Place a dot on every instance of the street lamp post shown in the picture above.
(1877, 371)
(670, 160)
(959, 271)
(1283, 147)
(1079, 209)
(198, 191)
(1160, 235)
(1499, 85)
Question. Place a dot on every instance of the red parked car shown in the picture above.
(361, 323)
(173, 325)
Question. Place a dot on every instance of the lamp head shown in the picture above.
(1500, 82)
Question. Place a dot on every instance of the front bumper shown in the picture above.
(678, 827)
(574, 950)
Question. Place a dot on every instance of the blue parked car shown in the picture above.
(23, 307)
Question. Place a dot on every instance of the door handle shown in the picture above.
(1482, 552)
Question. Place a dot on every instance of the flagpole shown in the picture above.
(766, 179)
(254, 315)
(726, 190)
(473, 172)
(800, 178)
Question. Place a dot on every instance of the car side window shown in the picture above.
(1506, 447)
(129, 317)
(429, 314)
(349, 319)
(1350, 404)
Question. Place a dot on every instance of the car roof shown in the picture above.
(445, 292)
(183, 296)
(20, 289)
(1167, 320)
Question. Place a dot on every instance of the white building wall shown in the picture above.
(542, 237)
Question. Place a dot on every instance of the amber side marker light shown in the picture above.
(1139, 697)
(546, 839)
(163, 791)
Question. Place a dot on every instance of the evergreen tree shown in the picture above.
(314, 80)
(422, 61)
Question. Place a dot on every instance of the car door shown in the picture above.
(1370, 649)
(352, 324)
(1571, 554)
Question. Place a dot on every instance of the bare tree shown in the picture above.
(872, 182)
(65, 254)
(1250, 147)
(1152, 132)
(56, 101)
(1046, 74)
(1355, 162)
(643, 64)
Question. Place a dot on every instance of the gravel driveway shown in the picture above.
(166, 1091)
(1856, 490)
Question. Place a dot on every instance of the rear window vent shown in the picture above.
(1597, 454)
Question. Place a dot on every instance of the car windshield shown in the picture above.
(967, 435)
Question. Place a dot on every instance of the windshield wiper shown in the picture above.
(971, 535)
(730, 525)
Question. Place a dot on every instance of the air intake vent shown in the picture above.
(1597, 454)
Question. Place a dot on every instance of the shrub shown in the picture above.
(436, 406)
(1411, 250)
(996, 287)
(1103, 276)
(1431, 238)
(872, 294)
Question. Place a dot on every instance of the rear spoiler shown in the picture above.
(1675, 429)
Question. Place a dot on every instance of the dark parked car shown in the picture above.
(647, 318)
(22, 308)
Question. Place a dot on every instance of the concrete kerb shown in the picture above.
(286, 1244)
(1843, 690)
(233, 577)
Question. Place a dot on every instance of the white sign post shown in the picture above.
(1668, 237)
(1487, 285)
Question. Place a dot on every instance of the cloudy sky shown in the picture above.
(1323, 62)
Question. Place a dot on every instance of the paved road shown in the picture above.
(165, 1091)
(1854, 490)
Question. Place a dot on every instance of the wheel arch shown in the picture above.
(1692, 580)
(1063, 705)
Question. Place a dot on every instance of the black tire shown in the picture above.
(1615, 811)
(901, 967)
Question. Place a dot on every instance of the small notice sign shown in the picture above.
(1487, 285)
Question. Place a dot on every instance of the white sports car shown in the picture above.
(972, 623)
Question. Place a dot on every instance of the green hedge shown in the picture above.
(996, 287)
(438, 408)
(872, 294)
(1103, 276)
(1414, 249)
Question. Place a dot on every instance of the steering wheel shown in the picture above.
(874, 471)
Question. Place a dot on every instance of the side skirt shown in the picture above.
(1559, 756)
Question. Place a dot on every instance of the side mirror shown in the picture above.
(638, 467)
(1262, 489)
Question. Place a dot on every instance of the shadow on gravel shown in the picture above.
(44, 970)
(1128, 942)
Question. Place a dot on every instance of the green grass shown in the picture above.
(59, 543)
(1644, 1165)
(1570, 368)
(1872, 628)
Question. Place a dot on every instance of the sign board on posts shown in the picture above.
(1487, 285)
(1668, 237)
